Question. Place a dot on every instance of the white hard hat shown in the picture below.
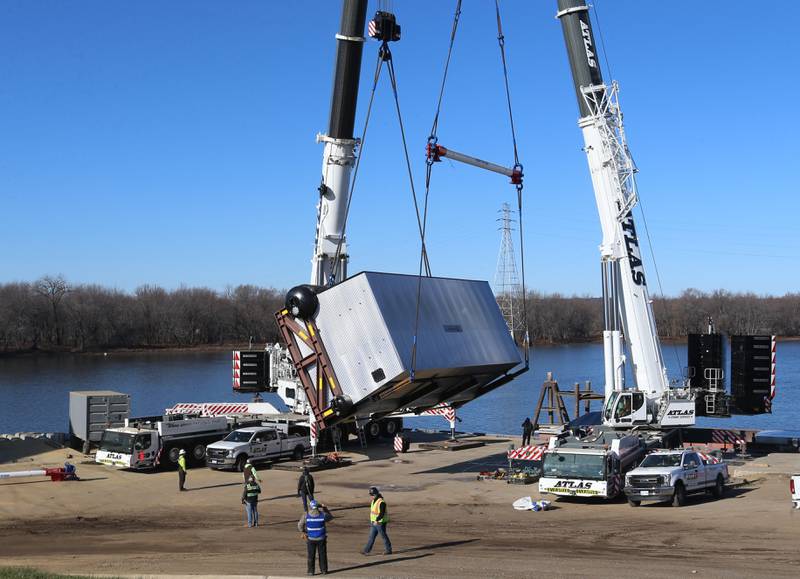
(182, 452)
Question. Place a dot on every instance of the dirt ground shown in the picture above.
(444, 523)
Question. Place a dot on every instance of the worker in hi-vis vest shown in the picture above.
(181, 469)
(250, 500)
(312, 525)
(378, 518)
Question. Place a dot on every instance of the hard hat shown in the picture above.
(182, 452)
(374, 492)
(313, 504)
(248, 463)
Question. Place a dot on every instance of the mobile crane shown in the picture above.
(628, 313)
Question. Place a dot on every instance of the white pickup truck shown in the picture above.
(257, 443)
(670, 475)
(794, 490)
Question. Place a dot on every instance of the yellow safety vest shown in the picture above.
(182, 463)
(375, 512)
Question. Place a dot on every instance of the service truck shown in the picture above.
(589, 465)
(670, 475)
(150, 441)
(256, 443)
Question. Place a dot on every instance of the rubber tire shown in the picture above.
(634, 503)
(199, 452)
(719, 487)
(372, 430)
(389, 428)
(240, 462)
(173, 454)
(298, 453)
(679, 498)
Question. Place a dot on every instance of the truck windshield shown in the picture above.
(662, 460)
(237, 436)
(567, 465)
(117, 442)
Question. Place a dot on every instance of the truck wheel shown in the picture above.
(373, 430)
(173, 454)
(240, 462)
(298, 453)
(390, 428)
(679, 498)
(199, 452)
(634, 503)
(719, 487)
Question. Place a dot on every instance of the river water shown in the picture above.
(34, 390)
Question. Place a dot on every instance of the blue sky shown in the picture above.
(173, 143)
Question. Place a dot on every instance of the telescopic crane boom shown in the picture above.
(628, 311)
(329, 262)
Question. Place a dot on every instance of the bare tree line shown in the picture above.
(557, 319)
(52, 314)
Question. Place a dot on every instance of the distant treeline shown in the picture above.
(52, 314)
(559, 319)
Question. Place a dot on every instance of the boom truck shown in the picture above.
(629, 323)
(647, 416)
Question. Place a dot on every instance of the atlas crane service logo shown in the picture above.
(571, 484)
(587, 44)
(632, 247)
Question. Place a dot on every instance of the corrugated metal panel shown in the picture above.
(367, 324)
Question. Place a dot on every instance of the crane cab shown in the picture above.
(625, 409)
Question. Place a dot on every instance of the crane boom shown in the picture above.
(330, 258)
(628, 311)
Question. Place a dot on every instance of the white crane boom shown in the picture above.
(628, 311)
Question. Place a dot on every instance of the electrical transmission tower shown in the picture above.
(506, 280)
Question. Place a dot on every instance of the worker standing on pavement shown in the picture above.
(378, 518)
(181, 470)
(305, 487)
(312, 525)
(250, 500)
(527, 430)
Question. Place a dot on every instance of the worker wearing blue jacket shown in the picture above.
(312, 525)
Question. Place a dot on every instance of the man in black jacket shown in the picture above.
(527, 430)
(305, 488)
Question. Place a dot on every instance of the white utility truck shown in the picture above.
(794, 490)
(147, 442)
(670, 475)
(256, 443)
(589, 466)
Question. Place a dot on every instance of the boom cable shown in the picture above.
(337, 254)
(501, 41)
(432, 141)
(635, 170)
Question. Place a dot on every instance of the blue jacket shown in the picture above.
(313, 524)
